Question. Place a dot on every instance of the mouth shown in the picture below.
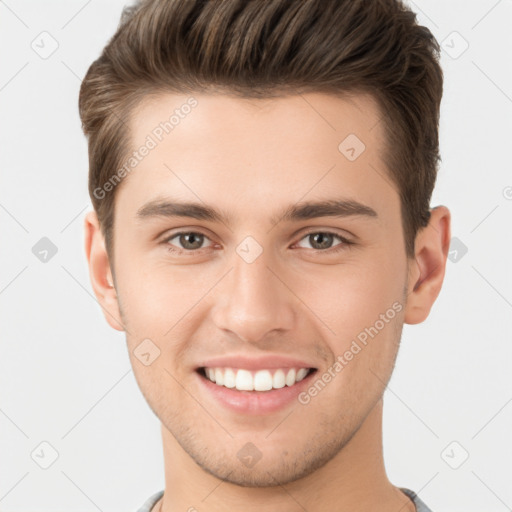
(251, 381)
(250, 385)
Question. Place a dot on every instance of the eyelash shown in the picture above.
(333, 250)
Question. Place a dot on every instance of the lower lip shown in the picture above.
(255, 402)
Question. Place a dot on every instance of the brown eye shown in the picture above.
(190, 241)
(323, 240)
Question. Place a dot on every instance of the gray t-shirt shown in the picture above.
(420, 506)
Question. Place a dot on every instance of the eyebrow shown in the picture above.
(296, 212)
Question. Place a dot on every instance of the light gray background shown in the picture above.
(65, 374)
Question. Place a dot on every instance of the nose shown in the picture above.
(254, 300)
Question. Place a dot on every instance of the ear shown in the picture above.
(99, 271)
(426, 270)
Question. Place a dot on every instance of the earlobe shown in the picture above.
(99, 271)
(426, 272)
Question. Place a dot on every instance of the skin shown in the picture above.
(251, 159)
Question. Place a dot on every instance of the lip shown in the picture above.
(252, 402)
(268, 362)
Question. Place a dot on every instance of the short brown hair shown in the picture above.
(267, 48)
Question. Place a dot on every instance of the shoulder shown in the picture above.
(420, 505)
(150, 502)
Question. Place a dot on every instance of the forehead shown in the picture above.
(293, 118)
(257, 152)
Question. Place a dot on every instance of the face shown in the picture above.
(251, 288)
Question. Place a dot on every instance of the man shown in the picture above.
(261, 173)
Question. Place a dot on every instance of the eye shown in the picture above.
(190, 241)
(322, 241)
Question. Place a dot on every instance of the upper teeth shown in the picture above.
(262, 380)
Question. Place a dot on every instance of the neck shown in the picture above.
(353, 480)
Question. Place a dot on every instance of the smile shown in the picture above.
(261, 380)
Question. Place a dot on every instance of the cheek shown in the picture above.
(348, 298)
(159, 293)
(362, 306)
(162, 303)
